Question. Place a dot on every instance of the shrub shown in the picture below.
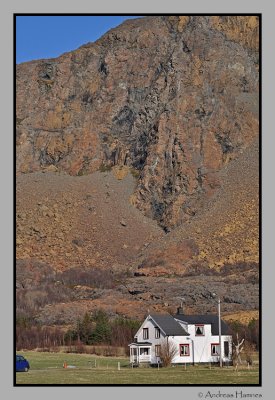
(135, 173)
(249, 332)
(248, 353)
(36, 336)
(94, 277)
(168, 350)
(105, 168)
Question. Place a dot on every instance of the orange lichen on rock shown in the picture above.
(242, 29)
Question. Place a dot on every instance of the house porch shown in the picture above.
(140, 352)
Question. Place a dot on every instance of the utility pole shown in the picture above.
(213, 295)
(220, 330)
(193, 350)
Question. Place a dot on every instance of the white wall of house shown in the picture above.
(202, 347)
(198, 348)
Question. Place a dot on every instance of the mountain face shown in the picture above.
(138, 171)
(175, 98)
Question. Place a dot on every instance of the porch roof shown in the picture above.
(141, 344)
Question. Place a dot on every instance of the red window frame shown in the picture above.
(215, 344)
(188, 347)
(199, 326)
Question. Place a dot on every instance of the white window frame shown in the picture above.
(185, 346)
(145, 337)
(157, 332)
(217, 347)
(157, 350)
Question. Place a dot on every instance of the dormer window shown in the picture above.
(157, 333)
(199, 330)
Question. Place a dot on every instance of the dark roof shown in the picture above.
(168, 324)
(211, 319)
(141, 344)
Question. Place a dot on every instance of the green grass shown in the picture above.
(47, 368)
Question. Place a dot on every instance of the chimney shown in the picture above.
(180, 310)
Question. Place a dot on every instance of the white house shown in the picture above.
(196, 338)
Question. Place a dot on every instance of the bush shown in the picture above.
(168, 350)
(105, 168)
(93, 277)
(135, 173)
(35, 336)
(249, 349)
(249, 332)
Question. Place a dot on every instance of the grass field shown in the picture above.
(47, 369)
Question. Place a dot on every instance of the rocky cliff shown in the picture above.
(174, 98)
(138, 172)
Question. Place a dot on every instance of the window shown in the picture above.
(133, 351)
(144, 351)
(157, 333)
(145, 333)
(226, 349)
(215, 349)
(199, 330)
(157, 350)
(184, 350)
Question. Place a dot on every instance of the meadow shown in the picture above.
(83, 369)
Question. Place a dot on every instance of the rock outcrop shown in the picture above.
(173, 98)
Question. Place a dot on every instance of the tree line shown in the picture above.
(98, 328)
(249, 332)
(93, 329)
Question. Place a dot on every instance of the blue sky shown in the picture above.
(50, 36)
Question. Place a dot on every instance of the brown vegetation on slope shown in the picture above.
(80, 221)
(161, 113)
(225, 230)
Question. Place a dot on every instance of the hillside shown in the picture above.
(176, 98)
(80, 221)
(224, 231)
(137, 178)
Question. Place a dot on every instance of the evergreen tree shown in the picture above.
(102, 331)
(86, 327)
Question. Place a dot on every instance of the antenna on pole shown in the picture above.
(180, 309)
(182, 299)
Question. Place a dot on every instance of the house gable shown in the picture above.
(151, 325)
(166, 324)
